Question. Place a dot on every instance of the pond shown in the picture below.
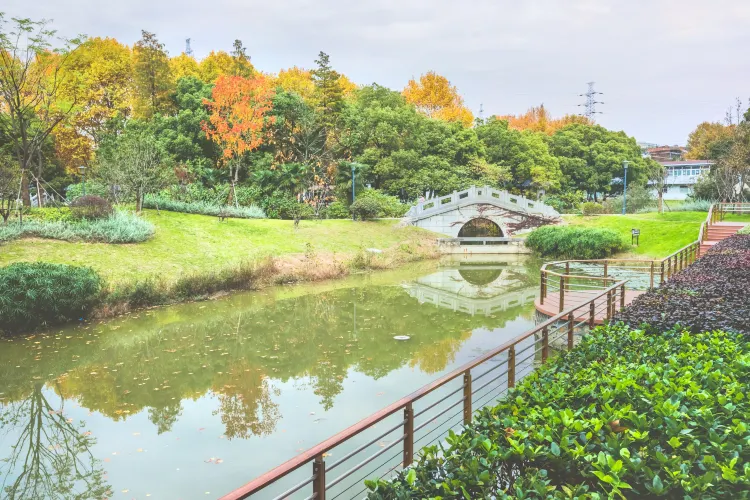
(197, 399)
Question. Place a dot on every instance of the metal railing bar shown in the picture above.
(349, 455)
(295, 488)
(474, 379)
(368, 475)
(363, 463)
(492, 395)
(490, 381)
(439, 401)
(423, 424)
(439, 426)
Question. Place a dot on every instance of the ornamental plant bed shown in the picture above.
(712, 293)
(625, 414)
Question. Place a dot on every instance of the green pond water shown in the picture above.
(194, 400)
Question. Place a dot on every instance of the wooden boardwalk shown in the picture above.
(551, 304)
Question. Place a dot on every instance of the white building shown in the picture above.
(682, 176)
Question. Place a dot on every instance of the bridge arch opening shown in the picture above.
(480, 228)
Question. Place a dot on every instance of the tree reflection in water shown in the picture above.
(51, 457)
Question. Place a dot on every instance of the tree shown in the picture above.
(329, 95)
(183, 66)
(657, 176)
(151, 76)
(220, 63)
(434, 96)
(31, 79)
(297, 80)
(591, 159)
(709, 141)
(538, 119)
(135, 165)
(10, 178)
(732, 172)
(242, 66)
(239, 118)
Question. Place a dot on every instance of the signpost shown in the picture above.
(634, 235)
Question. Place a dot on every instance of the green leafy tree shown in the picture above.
(591, 158)
(151, 75)
(329, 96)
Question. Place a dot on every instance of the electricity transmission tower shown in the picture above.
(591, 102)
(188, 49)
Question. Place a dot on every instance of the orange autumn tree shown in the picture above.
(538, 119)
(239, 113)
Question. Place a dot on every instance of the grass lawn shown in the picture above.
(187, 243)
(661, 234)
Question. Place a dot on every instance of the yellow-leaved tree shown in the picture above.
(184, 65)
(434, 96)
(538, 119)
(297, 80)
(704, 143)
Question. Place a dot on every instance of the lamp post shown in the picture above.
(82, 169)
(625, 187)
(353, 177)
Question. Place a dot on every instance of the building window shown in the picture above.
(684, 190)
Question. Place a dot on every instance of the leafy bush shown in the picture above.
(37, 294)
(217, 195)
(623, 415)
(204, 208)
(336, 210)
(92, 188)
(566, 202)
(388, 206)
(365, 208)
(591, 208)
(574, 242)
(710, 293)
(50, 214)
(120, 227)
(90, 207)
(279, 206)
(638, 198)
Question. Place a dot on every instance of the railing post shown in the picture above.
(319, 481)
(592, 314)
(467, 397)
(512, 366)
(409, 432)
(652, 275)
(545, 344)
(662, 273)
(682, 260)
(609, 304)
(570, 330)
(543, 287)
(606, 265)
(669, 267)
(567, 267)
(562, 293)
(622, 297)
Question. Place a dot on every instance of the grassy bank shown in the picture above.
(661, 234)
(188, 244)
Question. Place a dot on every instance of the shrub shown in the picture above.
(710, 293)
(92, 188)
(567, 202)
(574, 242)
(365, 208)
(203, 208)
(120, 227)
(90, 207)
(388, 206)
(623, 415)
(37, 294)
(336, 210)
(591, 208)
(279, 206)
(638, 199)
(50, 214)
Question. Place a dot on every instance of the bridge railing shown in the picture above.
(483, 193)
(386, 440)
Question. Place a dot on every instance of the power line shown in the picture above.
(188, 49)
(591, 102)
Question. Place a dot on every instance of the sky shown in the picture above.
(663, 65)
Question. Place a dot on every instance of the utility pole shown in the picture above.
(188, 49)
(591, 102)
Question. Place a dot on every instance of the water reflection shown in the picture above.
(269, 373)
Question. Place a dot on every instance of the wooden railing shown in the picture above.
(410, 421)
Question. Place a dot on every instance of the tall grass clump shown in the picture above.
(204, 208)
(119, 227)
(573, 242)
(42, 294)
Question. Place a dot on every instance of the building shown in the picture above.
(681, 177)
(665, 153)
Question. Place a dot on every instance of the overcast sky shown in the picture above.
(663, 65)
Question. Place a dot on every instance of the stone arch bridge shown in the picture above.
(481, 212)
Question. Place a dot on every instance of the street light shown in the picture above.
(625, 187)
(82, 169)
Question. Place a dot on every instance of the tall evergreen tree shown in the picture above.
(329, 95)
(151, 75)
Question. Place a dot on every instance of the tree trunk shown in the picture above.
(139, 202)
(660, 201)
(25, 195)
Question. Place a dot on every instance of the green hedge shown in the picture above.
(573, 242)
(120, 227)
(42, 294)
(624, 415)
